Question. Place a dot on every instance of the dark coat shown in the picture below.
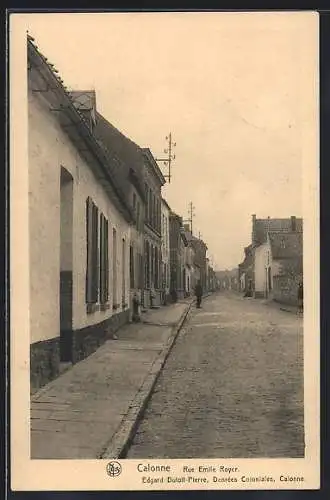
(198, 290)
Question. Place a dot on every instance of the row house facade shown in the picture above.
(101, 235)
(189, 267)
(178, 244)
(79, 229)
(130, 172)
(200, 263)
(246, 272)
(279, 266)
(272, 267)
(192, 273)
(211, 279)
(165, 251)
(153, 182)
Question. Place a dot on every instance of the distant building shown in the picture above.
(260, 227)
(165, 251)
(192, 273)
(154, 180)
(262, 262)
(200, 264)
(178, 244)
(228, 279)
(246, 271)
(211, 279)
(284, 266)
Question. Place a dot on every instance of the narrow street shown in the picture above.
(232, 386)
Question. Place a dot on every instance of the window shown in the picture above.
(92, 274)
(154, 212)
(131, 266)
(156, 268)
(138, 216)
(146, 206)
(123, 268)
(114, 267)
(141, 273)
(152, 282)
(104, 260)
(150, 208)
(148, 265)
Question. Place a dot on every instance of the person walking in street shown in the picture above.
(198, 293)
(300, 297)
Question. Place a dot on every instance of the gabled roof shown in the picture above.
(165, 203)
(183, 236)
(148, 154)
(286, 245)
(262, 226)
(174, 215)
(126, 155)
(188, 235)
(199, 241)
(76, 126)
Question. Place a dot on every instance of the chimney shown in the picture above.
(293, 223)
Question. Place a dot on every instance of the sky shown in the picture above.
(229, 86)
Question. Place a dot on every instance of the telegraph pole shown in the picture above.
(191, 214)
(170, 155)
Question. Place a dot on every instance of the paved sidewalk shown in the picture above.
(91, 410)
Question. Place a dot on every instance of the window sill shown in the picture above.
(105, 307)
(91, 308)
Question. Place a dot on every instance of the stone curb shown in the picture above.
(122, 439)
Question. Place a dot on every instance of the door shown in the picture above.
(66, 257)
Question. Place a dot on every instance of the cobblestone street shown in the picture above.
(232, 386)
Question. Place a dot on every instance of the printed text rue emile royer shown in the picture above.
(202, 474)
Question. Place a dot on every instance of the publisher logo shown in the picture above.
(113, 469)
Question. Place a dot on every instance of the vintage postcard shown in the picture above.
(164, 222)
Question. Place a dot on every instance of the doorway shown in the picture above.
(66, 258)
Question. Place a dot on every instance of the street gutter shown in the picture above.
(122, 439)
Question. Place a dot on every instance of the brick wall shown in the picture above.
(285, 289)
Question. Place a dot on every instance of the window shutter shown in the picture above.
(101, 257)
(138, 216)
(131, 263)
(104, 260)
(89, 251)
(95, 257)
(106, 246)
